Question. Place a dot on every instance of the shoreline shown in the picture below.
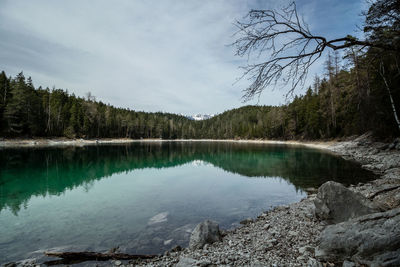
(284, 236)
(62, 142)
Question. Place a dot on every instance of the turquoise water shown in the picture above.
(147, 197)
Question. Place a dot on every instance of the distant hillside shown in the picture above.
(332, 108)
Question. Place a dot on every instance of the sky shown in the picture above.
(150, 55)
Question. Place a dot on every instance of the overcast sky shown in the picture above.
(162, 55)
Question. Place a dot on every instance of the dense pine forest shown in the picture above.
(344, 102)
(358, 92)
(27, 111)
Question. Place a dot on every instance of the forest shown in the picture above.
(342, 103)
(358, 92)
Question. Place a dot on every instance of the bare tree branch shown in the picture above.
(289, 46)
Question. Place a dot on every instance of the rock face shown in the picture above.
(372, 239)
(335, 203)
(206, 232)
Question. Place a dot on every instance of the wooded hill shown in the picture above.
(343, 103)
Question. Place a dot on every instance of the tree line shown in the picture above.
(26, 111)
(345, 101)
(358, 92)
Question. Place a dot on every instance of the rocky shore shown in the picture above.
(362, 230)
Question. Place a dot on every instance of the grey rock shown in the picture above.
(372, 239)
(267, 226)
(311, 190)
(273, 241)
(398, 146)
(292, 233)
(390, 258)
(186, 262)
(203, 263)
(223, 232)
(270, 244)
(391, 146)
(301, 258)
(206, 232)
(335, 203)
(246, 221)
(280, 208)
(348, 264)
(314, 263)
(395, 144)
(176, 249)
(391, 162)
(117, 263)
(393, 173)
(306, 250)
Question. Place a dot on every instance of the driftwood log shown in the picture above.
(69, 257)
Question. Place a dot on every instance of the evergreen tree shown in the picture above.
(4, 93)
(16, 113)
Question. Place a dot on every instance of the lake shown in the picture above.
(147, 197)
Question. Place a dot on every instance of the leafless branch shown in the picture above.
(285, 40)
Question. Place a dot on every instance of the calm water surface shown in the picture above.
(147, 197)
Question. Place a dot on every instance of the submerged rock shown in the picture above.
(206, 232)
(372, 239)
(158, 218)
(335, 203)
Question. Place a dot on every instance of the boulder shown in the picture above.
(335, 203)
(372, 240)
(206, 232)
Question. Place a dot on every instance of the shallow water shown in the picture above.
(148, 197)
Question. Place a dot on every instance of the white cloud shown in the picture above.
(145, 55)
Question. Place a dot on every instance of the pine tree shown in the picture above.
(16, 113)
(4, 93)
